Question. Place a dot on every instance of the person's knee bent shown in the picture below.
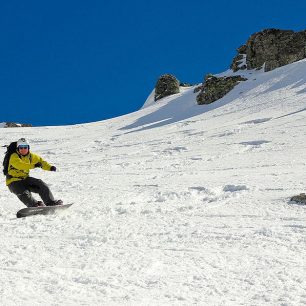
(25, 195)
(26, 198)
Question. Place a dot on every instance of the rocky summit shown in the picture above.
(271, 48)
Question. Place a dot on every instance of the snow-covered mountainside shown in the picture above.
(176, 204)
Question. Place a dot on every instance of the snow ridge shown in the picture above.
(176, 204)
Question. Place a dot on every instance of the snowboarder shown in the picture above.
(20, 183)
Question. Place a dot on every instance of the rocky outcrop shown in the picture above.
(239, 61)
(12, 124)
(301, 198)
(185, 84)
(166, 85)
(214, 88)
(272, 48)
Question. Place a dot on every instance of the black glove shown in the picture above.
(38, 165)
(53, 168)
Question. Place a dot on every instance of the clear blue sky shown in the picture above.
(66, 62)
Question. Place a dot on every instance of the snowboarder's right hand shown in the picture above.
(53, 168)
(38, 165)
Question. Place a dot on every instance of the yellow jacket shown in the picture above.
(20, 166)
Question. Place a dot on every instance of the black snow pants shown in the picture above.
(24, 188)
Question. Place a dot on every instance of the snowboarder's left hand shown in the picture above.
(53, 168)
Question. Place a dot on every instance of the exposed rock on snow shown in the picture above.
(184, 84)
(166, 85)
(271, 47)
(301, 198)
(238, 62)
(214, 88)
(12, 124)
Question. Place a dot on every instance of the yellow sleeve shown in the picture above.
(37, 159)
(17, 163)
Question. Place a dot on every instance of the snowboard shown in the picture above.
(45, 210)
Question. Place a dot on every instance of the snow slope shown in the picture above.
(176, 204)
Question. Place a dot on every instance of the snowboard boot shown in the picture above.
(55, 203)
(39, 204)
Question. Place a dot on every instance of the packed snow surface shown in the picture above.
(176, 204)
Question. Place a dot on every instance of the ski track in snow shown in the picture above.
(189, 208)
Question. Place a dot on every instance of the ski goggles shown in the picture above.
(23, 147)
